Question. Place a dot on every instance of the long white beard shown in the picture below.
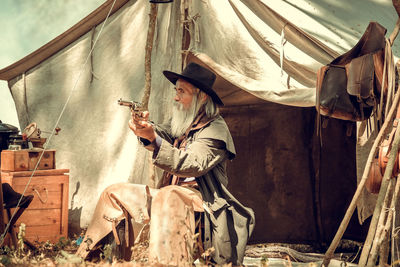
(182, 118)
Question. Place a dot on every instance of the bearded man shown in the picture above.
(193, 152)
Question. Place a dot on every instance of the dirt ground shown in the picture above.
(63, 254)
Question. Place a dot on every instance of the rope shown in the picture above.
(40, 197)
(56, 124)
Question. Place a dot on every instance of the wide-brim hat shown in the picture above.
(199, 76)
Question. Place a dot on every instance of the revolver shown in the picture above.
(136, 107)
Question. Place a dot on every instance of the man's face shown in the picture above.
(184, 93)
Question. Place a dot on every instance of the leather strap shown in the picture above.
(114, 222)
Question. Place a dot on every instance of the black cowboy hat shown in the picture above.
(199, 76)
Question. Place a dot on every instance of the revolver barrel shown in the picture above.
(132, 104)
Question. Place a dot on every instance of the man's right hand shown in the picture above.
(141, 127)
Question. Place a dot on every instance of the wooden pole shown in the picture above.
(377, 241)
(379, 202)
(395, 32)
(384, 238)
(368, 249)
(396, 5)
(350, 210)
(343, 225)
(147, 81)
(147, 60)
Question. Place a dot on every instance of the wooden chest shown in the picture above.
(46, 218)
(26, 159)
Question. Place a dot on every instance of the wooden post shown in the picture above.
(350, 210)
(379, 202)
(384, 238)
(147, 60)
(377, 241)
(147, 81)
(343, 225)
(395, 32)
(373, 231)
(396, 5)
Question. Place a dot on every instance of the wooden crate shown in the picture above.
(26, 159)
(46, 218)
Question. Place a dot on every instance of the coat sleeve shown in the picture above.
(200, 157)
(162, 131)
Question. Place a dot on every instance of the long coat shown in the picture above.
(228, 224)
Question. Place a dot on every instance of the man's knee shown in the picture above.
(112, 188)
(167, 192)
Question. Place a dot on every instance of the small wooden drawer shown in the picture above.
(47, 161)
(26, 159)
(14, 160)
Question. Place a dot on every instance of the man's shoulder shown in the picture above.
(218, 129)
(217, 125)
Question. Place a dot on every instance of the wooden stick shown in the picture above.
(384, 251)
(374, 226)
(149, 49)
(377, 241)
(147, 81)
(379, 202)
(395, 32)
(396, 5)
(343, 225)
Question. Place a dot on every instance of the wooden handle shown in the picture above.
(396, 4)
(393, 35)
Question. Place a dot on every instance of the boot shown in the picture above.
(11, 198)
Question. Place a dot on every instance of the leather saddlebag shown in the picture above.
(348, 87)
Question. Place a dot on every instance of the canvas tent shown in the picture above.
(265, 53)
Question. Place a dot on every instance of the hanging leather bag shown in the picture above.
(349, 86)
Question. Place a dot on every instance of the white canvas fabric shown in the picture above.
(260, 50)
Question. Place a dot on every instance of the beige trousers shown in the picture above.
(172, 225)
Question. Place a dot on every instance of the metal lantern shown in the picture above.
(5, 131)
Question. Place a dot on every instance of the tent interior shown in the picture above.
(298, 183)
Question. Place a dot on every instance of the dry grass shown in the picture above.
(63, 254)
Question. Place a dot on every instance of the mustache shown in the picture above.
(178, 105)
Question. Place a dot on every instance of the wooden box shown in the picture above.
(26, 159)
(46, 218)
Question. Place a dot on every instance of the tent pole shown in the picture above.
(147, 60)
(393, 35)
(147, 81)
(384, 238)
(379, 202)
(343, 225)
(376, 242)
(395, 32)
